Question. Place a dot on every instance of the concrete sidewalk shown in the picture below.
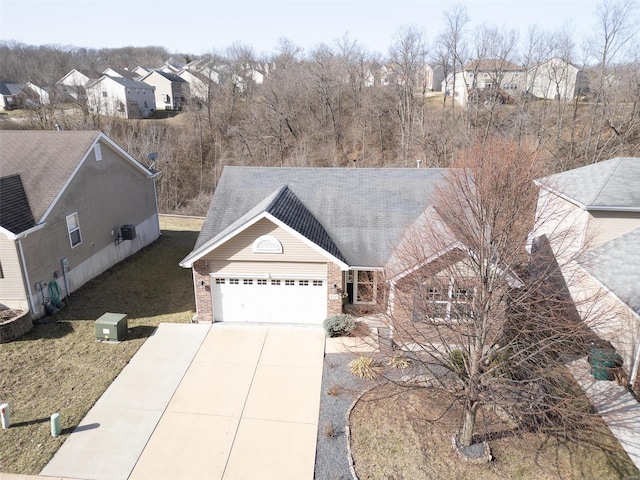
(617, 407)
(109, 440)
(222, 402)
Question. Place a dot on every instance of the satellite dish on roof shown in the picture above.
(153, 156)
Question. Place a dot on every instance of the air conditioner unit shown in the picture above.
(128, 232)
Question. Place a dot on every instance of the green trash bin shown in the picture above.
(603, 361)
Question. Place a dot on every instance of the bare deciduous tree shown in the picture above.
(465, 296)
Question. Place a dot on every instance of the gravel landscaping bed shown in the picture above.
(340, 389)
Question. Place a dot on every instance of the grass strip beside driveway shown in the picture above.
(60, 367)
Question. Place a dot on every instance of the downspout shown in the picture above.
(392, 297)
(636, 361)
(26, 276)
(155, 196)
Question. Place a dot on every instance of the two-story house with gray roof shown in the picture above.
(169, 89)
(596, 220)
(72, 204)
(120, 97)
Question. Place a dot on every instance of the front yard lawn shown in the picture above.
(60, 367)
(401, 433)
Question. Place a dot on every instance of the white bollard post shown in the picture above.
(4, 416)
(56, 429)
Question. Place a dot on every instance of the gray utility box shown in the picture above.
(112, 327)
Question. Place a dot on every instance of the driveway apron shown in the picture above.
(246, 408)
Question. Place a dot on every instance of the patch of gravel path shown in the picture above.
(340, 389)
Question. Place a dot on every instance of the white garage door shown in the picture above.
(269, 300)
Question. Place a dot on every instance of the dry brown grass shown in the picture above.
(60, 367)
(399, 433)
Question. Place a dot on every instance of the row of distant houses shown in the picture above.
(553, 79)
(138, 93)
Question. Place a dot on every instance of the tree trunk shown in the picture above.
(468, 424)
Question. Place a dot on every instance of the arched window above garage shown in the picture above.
(267, 244)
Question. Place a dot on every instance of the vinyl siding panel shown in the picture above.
(274, 269)
(239, 248)
(563, 223)
(12, 290)
(606, 315)
(605, 226)
(105, 194)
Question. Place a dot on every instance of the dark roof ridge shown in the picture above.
(289, 209)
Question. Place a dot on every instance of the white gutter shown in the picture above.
(636, 365)
(612, 208)
(26, 276)
(17, 236)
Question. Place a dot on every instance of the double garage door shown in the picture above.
(269, 300)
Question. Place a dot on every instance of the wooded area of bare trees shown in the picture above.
(317, 108)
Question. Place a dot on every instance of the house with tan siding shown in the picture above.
(287, 245)
(596, 221)
(169, 88)
(72, 205)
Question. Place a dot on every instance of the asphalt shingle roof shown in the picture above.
(43, 161)
(616, 264)
(15, 213)
(10, 88)
(611, 183)
(364, 211)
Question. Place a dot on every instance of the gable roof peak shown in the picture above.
(607, 185)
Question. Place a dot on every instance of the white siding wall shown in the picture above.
(607, 316)
(12, 290)
(564, 224)
(113, 104)
(552, 79)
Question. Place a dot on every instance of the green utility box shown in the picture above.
(603, 362)
(112, 327)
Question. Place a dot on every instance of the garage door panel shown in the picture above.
(269, 300)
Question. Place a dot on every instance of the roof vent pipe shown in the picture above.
(419, 164)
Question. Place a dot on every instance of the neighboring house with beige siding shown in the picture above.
(597, 216)
(72, 205)
(169, 89)
(287, 245)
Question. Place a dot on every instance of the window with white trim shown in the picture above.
(365, 286)
(317, 283)
(443, 299)
(73, 227)
(247, 281)
(267, 244)
(261, 281)
(275, 282)
(234, 281)
(303, 283)
(219, 281)
(289, 283)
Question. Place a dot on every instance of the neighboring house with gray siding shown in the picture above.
(597, 217)
(64, 199)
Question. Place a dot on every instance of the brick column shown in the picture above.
(202, 289)
(334, 298)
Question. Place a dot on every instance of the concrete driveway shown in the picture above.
(226, 402)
